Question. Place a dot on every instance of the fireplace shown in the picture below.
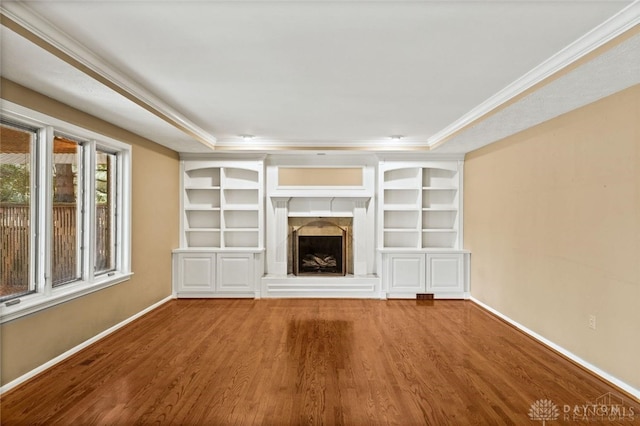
(292, 213)
(292, 208)
(320, 246)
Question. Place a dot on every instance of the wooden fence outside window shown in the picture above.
(14, 242)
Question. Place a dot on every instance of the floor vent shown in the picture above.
(424, 296)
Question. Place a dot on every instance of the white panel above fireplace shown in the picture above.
(320, 207)
(348, 163)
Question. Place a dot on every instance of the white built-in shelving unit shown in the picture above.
(201, 206)
(222, 205)
(221, 228)
(441, 206)
(420, 205)
(420, 232)
(406, 217)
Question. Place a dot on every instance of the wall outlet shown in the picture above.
(592, 322)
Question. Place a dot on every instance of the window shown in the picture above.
(17, 176)
(106, 186)
(65, 211)
(66, 215)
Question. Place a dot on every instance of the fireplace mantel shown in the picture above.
(322, 201)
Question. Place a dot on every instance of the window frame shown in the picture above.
(80, 201)
(45, 295)
(114, 209)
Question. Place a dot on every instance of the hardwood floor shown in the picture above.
(278, 362)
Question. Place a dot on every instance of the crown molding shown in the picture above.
(615, 26)
(24, 21)
(276, 144)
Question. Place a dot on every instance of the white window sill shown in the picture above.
(33, 303)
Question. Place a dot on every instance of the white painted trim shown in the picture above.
(46, 296)
(382, 144)
(38, 119)
(12, 384)
(624, 20)
(55, 37)
(212, 295)
(592, 368)
(32, 303)
(347, 287)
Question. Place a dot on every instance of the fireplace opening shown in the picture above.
(320, 255)
(319, 247)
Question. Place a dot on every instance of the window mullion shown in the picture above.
(44, 211)
(80, 213)
(119, 225)
(124, 210)
(89, 237)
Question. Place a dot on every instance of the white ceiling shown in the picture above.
(309, 74)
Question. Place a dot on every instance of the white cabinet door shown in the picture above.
(445, 273)
(406, 273)
(235, 273)
(196, 272)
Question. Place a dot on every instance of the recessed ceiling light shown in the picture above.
(396, 137)
(247, 137)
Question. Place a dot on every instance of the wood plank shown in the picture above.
(308, 362)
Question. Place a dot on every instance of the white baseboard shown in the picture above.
(79, 347)
(592, 368)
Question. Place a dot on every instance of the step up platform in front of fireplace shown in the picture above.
(323, 286)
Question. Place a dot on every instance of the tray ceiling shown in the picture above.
(193, 75)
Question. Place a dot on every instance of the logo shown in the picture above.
(606, 408)
(544, 410)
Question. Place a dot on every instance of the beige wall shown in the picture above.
(552, 218)
(33, 340)
(320, 176)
